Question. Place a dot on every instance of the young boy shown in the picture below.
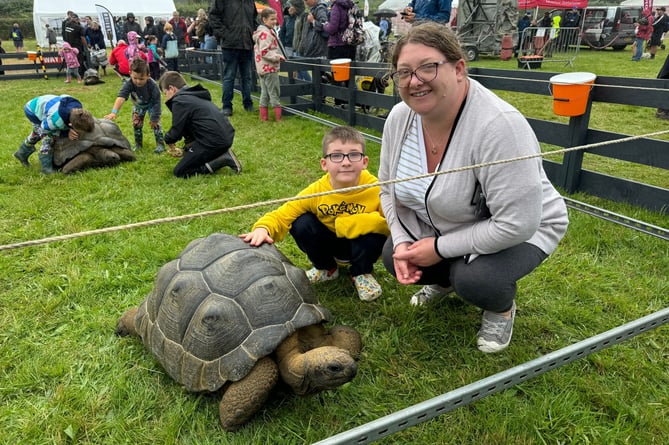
(339, 227)
(51, 115)
(206, 130)
(145, 96)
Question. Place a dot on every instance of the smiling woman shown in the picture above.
(476, 232)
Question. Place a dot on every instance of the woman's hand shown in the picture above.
(257, 237)
(422, 253)
(405, 271)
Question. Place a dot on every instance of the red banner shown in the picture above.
(276, 5)
(553, 4)
(647, 5)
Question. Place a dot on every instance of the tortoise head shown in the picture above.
(319, 369)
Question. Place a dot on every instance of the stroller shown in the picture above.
(374, 51)
(99, 59)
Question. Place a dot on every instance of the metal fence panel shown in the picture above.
(539, 45)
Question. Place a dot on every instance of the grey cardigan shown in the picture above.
(525, 206)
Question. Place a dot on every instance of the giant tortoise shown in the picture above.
(227, 316)
(104, 146)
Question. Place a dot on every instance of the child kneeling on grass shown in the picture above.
(206, 130)
(51, 116)
(338, 227)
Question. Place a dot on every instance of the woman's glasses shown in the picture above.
(424, 73)
(354, 156)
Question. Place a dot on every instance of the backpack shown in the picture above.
(354, 34)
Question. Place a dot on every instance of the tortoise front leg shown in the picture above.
(242, 399)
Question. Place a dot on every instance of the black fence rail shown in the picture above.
(365, 88)
(30, 65)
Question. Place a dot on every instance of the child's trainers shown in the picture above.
(368, 288)
(428, 293)
(159, 149)
(320, 275)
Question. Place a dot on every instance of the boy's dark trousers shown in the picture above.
(322, 246)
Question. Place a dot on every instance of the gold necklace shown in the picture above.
(434, 148)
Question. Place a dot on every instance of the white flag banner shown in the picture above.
(107, 24)
(366, 10)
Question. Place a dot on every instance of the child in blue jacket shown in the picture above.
(52, 117)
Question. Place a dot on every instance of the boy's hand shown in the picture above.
(174, 151)
(257, 238)
(111, 116)
(72, 134)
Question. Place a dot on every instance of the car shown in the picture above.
(609, 26)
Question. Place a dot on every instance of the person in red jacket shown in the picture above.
(119, 59)
(643, 31)
(180, 29)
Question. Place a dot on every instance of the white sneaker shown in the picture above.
(320, 275)
(496, 330)
(428, 293)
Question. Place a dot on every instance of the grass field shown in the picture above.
(66, 378)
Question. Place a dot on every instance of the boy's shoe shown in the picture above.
(368, 288)
(496, 330)
(320, 275)
(159, 149)
(662, 114)
(227, 111)
(429, 293)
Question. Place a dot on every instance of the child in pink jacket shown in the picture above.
(69, 55)
(268, 55)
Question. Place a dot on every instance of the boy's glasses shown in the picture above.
(424, 73)
(354, 156)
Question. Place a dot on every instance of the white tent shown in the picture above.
(53, 12)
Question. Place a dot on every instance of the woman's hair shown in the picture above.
(201, 14)
(267, 12)
(344, 134)
(434, 35)
(171, 78)
(81, 120)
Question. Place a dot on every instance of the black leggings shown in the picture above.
(488, 282)
(322, 246)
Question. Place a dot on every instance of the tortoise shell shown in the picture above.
(221, 306)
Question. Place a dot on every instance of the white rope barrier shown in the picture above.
(154, 222)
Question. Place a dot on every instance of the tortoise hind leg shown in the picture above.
(126, 324)
(242, 399)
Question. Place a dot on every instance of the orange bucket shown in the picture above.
(341, 69)
(32, 55)
(571, 92)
